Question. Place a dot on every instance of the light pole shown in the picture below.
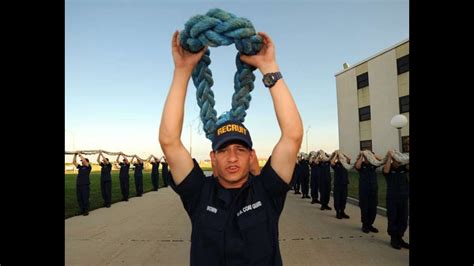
(307, 138)
(398, 122)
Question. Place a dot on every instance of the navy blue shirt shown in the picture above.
(234, 226)
(124, 170)
(105, 172)
(296, 173)
(367, 175)
(164, 168)
(324, 169)
(164, 172)
(340, 174)
(304, 168)
(83, 175)
(397, 182)
(138, 169)
(314, 169)
(154, 167)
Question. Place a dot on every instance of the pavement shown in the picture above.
(155, 230)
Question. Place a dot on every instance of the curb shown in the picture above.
(380, 210)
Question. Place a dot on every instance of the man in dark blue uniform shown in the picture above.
(235, 215)
(325, 182)
(294, 177)
(397, 200)
(341, 180)
(297, 181)
(82, 183)
(138, 176)
(314, 180)
(304, 175)
(124, 176)
(368, 192)
(105, 179)
(164, 171)
(155, 174)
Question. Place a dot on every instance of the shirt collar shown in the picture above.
(225, 195)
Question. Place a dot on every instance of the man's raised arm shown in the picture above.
(285, 151)
(171, 126)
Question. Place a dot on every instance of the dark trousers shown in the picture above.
(340, 197)
(106, 189)
(154, 181)
(297, 184)
(305, 184)
(124, 187)
(314, 187)
(139, 185)
(368, 201)
(397, 215)
(325, 189)
(165, 175)
(82, 193)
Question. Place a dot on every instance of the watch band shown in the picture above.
(270, 79)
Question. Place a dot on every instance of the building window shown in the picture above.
(403, 64)
(364, 113)
(363, 80)
(406, 144)
(366, 145)
(404, 104)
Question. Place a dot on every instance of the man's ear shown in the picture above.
(213, 158)
(253, 155)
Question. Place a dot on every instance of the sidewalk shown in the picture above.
(155, 230)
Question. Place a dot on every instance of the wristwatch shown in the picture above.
(270, 79)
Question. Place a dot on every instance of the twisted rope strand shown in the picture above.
(221, 28)
(92, 152)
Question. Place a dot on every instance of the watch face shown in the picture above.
(268, 79)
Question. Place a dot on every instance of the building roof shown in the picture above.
(373, 56)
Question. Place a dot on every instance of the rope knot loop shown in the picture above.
(221, 28)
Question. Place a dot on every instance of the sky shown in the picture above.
(118, 67)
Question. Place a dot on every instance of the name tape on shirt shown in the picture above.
(250, 207)
(211, 209)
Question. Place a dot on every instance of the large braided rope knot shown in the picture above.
(401, 158)
(343, 160)
(214, 29)
(323, 156)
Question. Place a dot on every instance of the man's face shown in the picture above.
(232, 163)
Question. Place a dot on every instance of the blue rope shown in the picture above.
(215, 29)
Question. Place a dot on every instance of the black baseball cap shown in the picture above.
(231, 131)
